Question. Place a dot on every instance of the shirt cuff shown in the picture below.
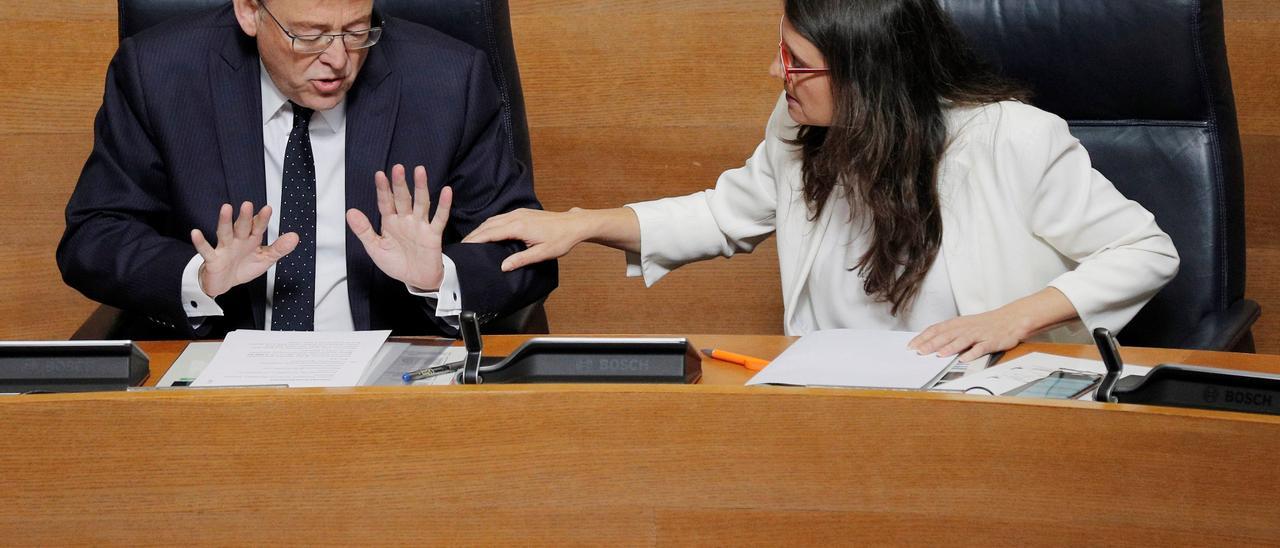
(195, 302)
(635, 267)
(447, 299)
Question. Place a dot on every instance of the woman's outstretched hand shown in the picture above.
(551, 235)
(548, 235)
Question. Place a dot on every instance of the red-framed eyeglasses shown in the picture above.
(785, 56)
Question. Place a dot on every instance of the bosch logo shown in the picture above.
(617, 365)
(1210, 394)
(1243, 397)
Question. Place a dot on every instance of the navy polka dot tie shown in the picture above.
(293, 306)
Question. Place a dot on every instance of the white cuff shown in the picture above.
(635, 267)
(195, 302)
(448, 299)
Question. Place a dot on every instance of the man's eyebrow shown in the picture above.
(312, 25)
(362, 23)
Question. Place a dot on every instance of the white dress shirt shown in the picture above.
(1022, 209)
(328, 130)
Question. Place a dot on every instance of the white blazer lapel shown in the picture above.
(960, 210)
(811, 240)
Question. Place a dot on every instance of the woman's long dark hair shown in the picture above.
(892, 64)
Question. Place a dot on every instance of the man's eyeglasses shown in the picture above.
(785, 56)
(316, 43)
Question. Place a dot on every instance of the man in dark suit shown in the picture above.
(302, 107)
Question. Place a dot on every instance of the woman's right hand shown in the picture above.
(548, 235)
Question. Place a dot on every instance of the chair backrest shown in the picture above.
(1145, 87)
(485, 24)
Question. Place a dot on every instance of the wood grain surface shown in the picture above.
(627, 100)
(632, 464)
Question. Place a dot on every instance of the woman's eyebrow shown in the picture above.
(794, 55)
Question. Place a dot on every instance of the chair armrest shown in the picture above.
(531, 319)
(111, 323)
(1226, 330)
(102, 325)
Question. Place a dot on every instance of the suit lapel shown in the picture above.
(372, 106)
(237, 101)
(808, 254)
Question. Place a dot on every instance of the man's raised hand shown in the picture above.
(410, 247)
(239, 256)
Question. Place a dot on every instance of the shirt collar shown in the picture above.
(274, 102)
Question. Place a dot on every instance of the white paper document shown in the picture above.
(1035, 366)
(855, 358)
(194, 358)
(292, 358)
(396, 359)
(387, 355)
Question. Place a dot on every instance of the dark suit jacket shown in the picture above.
(180, 133)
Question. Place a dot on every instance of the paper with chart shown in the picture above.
(854, 358)
(1034, 366)
(292, 358)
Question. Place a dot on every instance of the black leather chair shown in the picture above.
(485, 24)
(1146, 88)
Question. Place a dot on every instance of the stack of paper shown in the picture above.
(855, 358)
(292, 358)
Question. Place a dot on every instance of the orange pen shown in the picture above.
(749, 362)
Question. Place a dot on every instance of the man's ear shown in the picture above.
(247, 15)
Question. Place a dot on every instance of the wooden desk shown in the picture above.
(163, 354)
(635, 464)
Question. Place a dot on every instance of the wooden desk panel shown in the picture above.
(606, 464)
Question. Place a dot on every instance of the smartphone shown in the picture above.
(1059, 385)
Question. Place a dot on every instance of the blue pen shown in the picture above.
(430, 371)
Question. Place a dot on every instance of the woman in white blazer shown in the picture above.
(908, 190)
